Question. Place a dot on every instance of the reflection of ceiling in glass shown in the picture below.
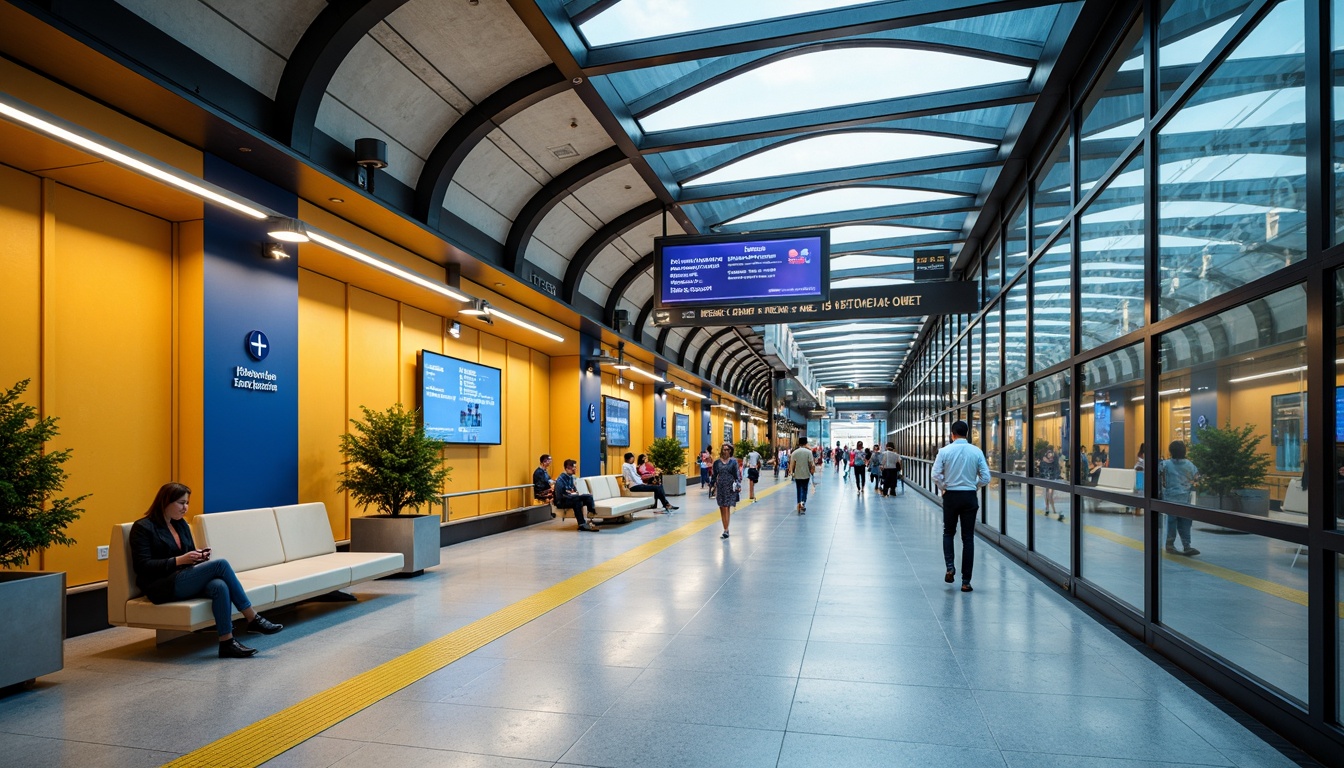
(643, 19)
(836, 150)
(828, 78)
(868, 260)
(859, 233)
(867, 282)
(1178, 209)
(852, 328)
(1250, 110)
(838, 200)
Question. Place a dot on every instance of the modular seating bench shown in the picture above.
(282, 555)
(1116, 480)
(610, 498)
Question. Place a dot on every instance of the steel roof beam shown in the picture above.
(556, 190)
(858, 216)
(622, 283)
(583, 257)
(704, 348)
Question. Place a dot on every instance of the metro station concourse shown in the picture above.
(1106, 234)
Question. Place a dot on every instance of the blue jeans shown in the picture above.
(801, 486)
(1179, 525)
(215, 580)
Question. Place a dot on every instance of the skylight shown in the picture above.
(867, 282)
(836, 150)
(829, 78)
(868, 261)
(859, 233)
(643, 19)
(839, 200)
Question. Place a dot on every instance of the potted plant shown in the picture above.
(1232, 467)
(392, 466)
(31, 518)
(669, 457)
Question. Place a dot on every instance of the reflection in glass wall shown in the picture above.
(1053, 198)
(1232, 174)
(1050, 420)
(1016, 244)
(1015, 433)
(993, 271)
(1111, 259)
(1231, 397)
(1112, 116)
(993, 349)
(993, 453)
(1110, 428)
(1244, 599)
(1052, 536)
(1015, 332)
(1189, 31)
(1337, 45)
(1052, 304)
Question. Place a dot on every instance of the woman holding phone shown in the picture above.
(169, 567)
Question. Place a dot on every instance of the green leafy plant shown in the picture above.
(742, 447)
(1039, 447)
(1229, 460)
(391, 464)
(30, 519)
(667, 455)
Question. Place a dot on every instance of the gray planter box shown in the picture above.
(674, 485)
(33, 631)
(416, 537)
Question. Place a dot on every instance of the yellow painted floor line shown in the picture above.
(286, 729)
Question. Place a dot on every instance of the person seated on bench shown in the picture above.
(567, 496)
(647, 472)
(543, 487)
(633, 482)
(169, 567)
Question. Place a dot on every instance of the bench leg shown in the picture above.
(162, 636)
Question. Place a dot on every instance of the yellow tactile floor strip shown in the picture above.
(286, 729)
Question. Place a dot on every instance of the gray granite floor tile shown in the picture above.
(684, 696)
(36, 752)
(488, 731)
(805, 750)
(1082, 675)
(398, 756)
(732, 655)
(947, 716)
(1038, 760)
(317, 752)
(547, 686)
(620, 743)
(899, 664)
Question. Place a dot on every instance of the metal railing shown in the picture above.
(445, 497)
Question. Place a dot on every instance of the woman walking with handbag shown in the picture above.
(727, 484)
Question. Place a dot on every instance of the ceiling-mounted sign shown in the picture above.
(931, 264)
(762, 267)
(913, 300)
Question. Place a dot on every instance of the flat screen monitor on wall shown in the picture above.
(695, 271)
(460, 401)
(616, 416)
(681, 429)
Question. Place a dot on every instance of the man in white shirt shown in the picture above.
(801, 462)
(958, 472)
(753, 472)
(891, 470)
(633, 482)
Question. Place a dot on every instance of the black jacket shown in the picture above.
(152, 554)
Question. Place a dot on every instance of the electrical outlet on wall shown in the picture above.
(102, 552)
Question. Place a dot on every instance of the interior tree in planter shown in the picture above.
(1229, 460)
(32, 518)
(392, 466)
(669, 457)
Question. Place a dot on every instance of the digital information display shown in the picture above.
(459, 401)
(681, 429)
(729, 269)
(617, 418)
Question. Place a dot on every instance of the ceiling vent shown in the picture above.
(564, 152)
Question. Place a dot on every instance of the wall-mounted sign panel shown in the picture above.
(911, 300)
(742, 269)
(931, 265)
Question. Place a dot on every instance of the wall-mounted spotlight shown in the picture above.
(286, 230)
(370, 155)
(274, 251)
(479, 308)
(455, 329)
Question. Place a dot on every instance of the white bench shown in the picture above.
(1115, 480)
(281, 555)
(1293, 510)
(610, 498)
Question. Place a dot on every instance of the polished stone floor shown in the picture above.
(828, 639)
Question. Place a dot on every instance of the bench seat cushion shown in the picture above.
(367, 565)
(620, 506)
(302, 578)
(191, 614)
(248, 538)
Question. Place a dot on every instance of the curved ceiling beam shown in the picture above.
(704, 348)
(460, 139)
(713, 369)
(661, 346)
(686, 346)
(623, 282)
(644, 313)
(319, 53)
(556, 190)
(583, 257)
(732, 366)
(964, 204)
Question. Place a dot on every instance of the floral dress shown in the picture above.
(726, 475)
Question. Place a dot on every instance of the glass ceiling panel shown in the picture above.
(864, 232)
(644, 19)
(828, 78)
(868, 282)
(840, 200)
(836, 150)
(867, 261)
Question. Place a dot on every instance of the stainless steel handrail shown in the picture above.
(446, 496)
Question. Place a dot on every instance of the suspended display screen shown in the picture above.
(726, 270)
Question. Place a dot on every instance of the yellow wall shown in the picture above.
(87, 305)
(641, 419)
(357, 348)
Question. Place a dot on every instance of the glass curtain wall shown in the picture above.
(1143, 373)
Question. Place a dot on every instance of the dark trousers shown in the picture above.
(577, 502)
(801, 487)
(860, 475)
(659, 495)
(213, 579)
(889, 479)
(960, 507)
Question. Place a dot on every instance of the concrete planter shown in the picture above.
(33, 632)
(674, 485)
(416, 537)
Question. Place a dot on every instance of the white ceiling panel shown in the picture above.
(476, 212)
(543, 257)
(639, 240)
(641, 290)
(339, 122)
(495, 178)
(218, 39)
(480, 48)
(594, 289)
(395, 100)
(277, 25)
(563, 231)
(546, 125)
(610, 264)
(614, 193)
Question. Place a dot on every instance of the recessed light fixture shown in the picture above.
(499, 285)
(336, 199)
(244, 149)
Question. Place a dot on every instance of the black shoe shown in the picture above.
(966, 588)
(232, 649)
(724, 536)
(263, 626)
(588, 527)
(552, 514)
(669, 508)
(951, 574)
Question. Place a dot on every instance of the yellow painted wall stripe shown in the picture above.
(286, 729)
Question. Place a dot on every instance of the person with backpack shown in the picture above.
(1177, 477)
(705, 463)
(859, 464)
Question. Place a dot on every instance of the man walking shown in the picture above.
(958, 472)
(753, 472)
(801, 461)
(567, 496)
(891, 470)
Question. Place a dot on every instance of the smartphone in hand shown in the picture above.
(205, 554)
